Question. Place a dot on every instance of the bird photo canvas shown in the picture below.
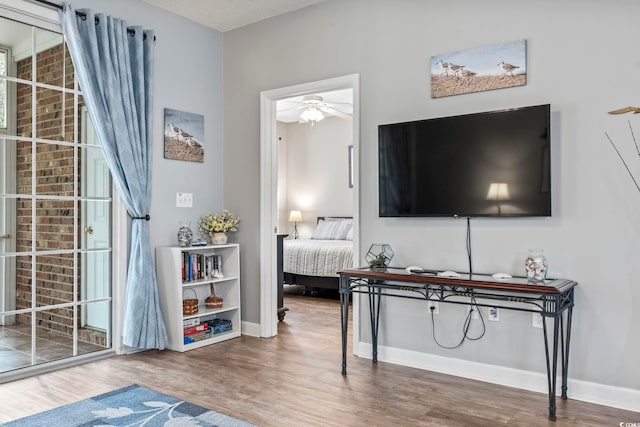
(183, 136)
(489, 67)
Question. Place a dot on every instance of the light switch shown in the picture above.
(184, 200)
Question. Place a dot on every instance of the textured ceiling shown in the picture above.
(225, 15)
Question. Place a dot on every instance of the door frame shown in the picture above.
(269, 187)
(8, 206)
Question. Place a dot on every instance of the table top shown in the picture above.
(480, 281)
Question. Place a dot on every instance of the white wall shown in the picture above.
(317, 171)
(582, 59)
(187, 77)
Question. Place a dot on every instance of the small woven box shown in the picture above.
(213, 300)
(189, 305)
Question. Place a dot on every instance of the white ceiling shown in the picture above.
(289, 110)
(225, 15)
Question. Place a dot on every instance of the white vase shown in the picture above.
(219, 238)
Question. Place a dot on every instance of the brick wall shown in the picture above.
(54, 175)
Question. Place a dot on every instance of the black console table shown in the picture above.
(552, 299)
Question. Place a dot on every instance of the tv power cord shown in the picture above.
(465, 326)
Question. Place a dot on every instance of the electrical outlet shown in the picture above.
(435, 305)
(536, 320)
(474, 311)
(184, 200)
(494, 314)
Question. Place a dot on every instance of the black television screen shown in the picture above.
(494, 163)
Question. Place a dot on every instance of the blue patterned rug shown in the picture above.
(129, 406)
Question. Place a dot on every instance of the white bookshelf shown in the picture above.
(173, 290)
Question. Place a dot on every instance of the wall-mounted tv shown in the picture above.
(490, 164)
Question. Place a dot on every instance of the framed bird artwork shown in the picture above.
(495, 66)
(183, 136)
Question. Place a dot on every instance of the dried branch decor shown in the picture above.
(620, 155)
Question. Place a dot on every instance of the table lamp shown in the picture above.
(295, 217)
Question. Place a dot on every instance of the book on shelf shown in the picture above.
(190, 330)
(191, 322)
(199, 336)
(200, 266)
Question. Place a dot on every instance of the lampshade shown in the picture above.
(498, 191)
(295, 216)
(312, 114)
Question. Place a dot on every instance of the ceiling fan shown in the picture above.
(314, 108)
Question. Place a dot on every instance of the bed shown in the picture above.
(313, 263)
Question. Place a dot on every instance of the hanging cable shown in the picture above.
(469, 244)
(465, 327)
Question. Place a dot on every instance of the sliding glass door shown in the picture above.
(55, 207)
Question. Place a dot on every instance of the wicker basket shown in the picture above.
(213, 300)
(189, 305)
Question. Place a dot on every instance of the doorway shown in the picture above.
(269, 189)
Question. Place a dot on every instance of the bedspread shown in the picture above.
(312, 257)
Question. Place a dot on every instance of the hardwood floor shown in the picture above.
(294, 380)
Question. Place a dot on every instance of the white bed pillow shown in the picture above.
(349, 235)
(334, 229)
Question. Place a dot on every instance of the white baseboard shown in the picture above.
(251, 329)
(600, 394)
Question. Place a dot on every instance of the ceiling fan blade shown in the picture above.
(335, 112)
(337, 103)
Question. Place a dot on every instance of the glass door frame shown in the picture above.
(47, 19)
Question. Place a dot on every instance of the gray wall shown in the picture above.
(188, 77)
(582, 59)
(318, 171)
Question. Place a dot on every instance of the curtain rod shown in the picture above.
(82, 14)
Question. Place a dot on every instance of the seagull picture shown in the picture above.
(489, 67)
(508, 68)
(183, 136)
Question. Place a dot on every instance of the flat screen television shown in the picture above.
(490, 164)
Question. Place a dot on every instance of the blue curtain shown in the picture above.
(115, 69)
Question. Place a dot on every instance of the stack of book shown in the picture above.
(195, 331)
(198, 266)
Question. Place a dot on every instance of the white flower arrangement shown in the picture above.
(218, 222)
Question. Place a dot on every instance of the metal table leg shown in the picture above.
(552, 358)
(565, 347)
(374, 316)
(344, 318)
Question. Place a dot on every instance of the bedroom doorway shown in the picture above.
(315, 194)
(270, 226)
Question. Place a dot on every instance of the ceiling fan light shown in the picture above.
(311, 113)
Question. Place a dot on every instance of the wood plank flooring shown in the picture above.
(294, 380)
